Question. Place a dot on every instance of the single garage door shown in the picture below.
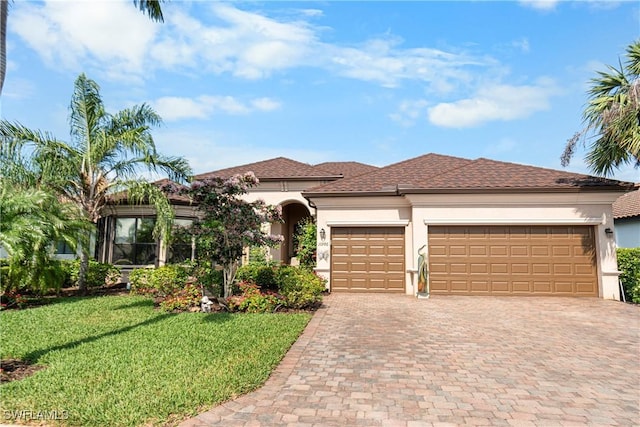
(513, 260)
(367, 259)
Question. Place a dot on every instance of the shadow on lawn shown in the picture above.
(35, 355)
(135, 304)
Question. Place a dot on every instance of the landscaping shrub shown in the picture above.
(182, 299)
(260, 274)
(99, 273)
(168, 279)
(161, 281)
(252, 300)
(12, 299)
(258, 255)
(629, 265)
(206, 277)
(170, 286)
(301, 288)
(306, 242)
(47, 278)
(140, 281)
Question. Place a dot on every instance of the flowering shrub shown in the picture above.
(253, 301)
(226, 222)
(183, 299)
(12, 299)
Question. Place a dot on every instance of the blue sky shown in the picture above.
(374, 82)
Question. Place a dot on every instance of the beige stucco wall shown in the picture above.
(417, 212)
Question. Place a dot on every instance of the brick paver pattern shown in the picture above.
(394, 360)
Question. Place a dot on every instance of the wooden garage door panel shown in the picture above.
(367, 259)
(523, 260)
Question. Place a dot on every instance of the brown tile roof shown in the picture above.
(627, 205)
(433, 173)
(347, 169)
(273, 169)
(408, 172)
(176, 199)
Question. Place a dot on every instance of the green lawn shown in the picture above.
(115, 361)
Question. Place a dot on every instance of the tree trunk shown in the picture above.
(84, 268)
(4, 12)
(229, 275)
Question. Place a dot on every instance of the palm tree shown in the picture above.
(152, 8)
(33, 220)
(105, 155)
(612, 117)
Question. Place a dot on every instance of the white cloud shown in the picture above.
(245, 44)
(494, 102)
(265, 104)
(382, 61)
(112, 36)
(172, 108)
(113, 40)
(544, 5)
(409, 111)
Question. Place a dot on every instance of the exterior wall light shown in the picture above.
(608, 232)
(323, 234)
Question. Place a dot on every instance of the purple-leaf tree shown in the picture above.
(227, 223)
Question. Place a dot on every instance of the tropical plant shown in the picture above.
(152, 8)
(629, 265)
(227, 223)
(612, 117)
(98, 273)
(104, 156)
(306, 241)
(33, 220)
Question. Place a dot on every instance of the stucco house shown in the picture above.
(626, 217)
(484, 227)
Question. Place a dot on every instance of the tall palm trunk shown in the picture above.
(4, 12)
(84, 268)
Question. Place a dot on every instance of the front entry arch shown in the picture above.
(292, 213)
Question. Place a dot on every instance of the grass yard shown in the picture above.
(115, 361)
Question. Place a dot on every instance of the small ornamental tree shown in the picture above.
(227, 223)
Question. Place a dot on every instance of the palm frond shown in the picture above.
(143, 192)
(152, 8)
(612, 117)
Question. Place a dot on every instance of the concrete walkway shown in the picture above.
(393, 360)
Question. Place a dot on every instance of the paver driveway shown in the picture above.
(393, 360)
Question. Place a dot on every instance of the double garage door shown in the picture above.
(471, 260)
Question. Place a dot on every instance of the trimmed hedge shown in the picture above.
(98, 274)
(55, 275)
(299, 288)
(169, 284)
(629, 265)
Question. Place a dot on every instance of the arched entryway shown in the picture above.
(292, 213)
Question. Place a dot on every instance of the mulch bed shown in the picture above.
(14, 369)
